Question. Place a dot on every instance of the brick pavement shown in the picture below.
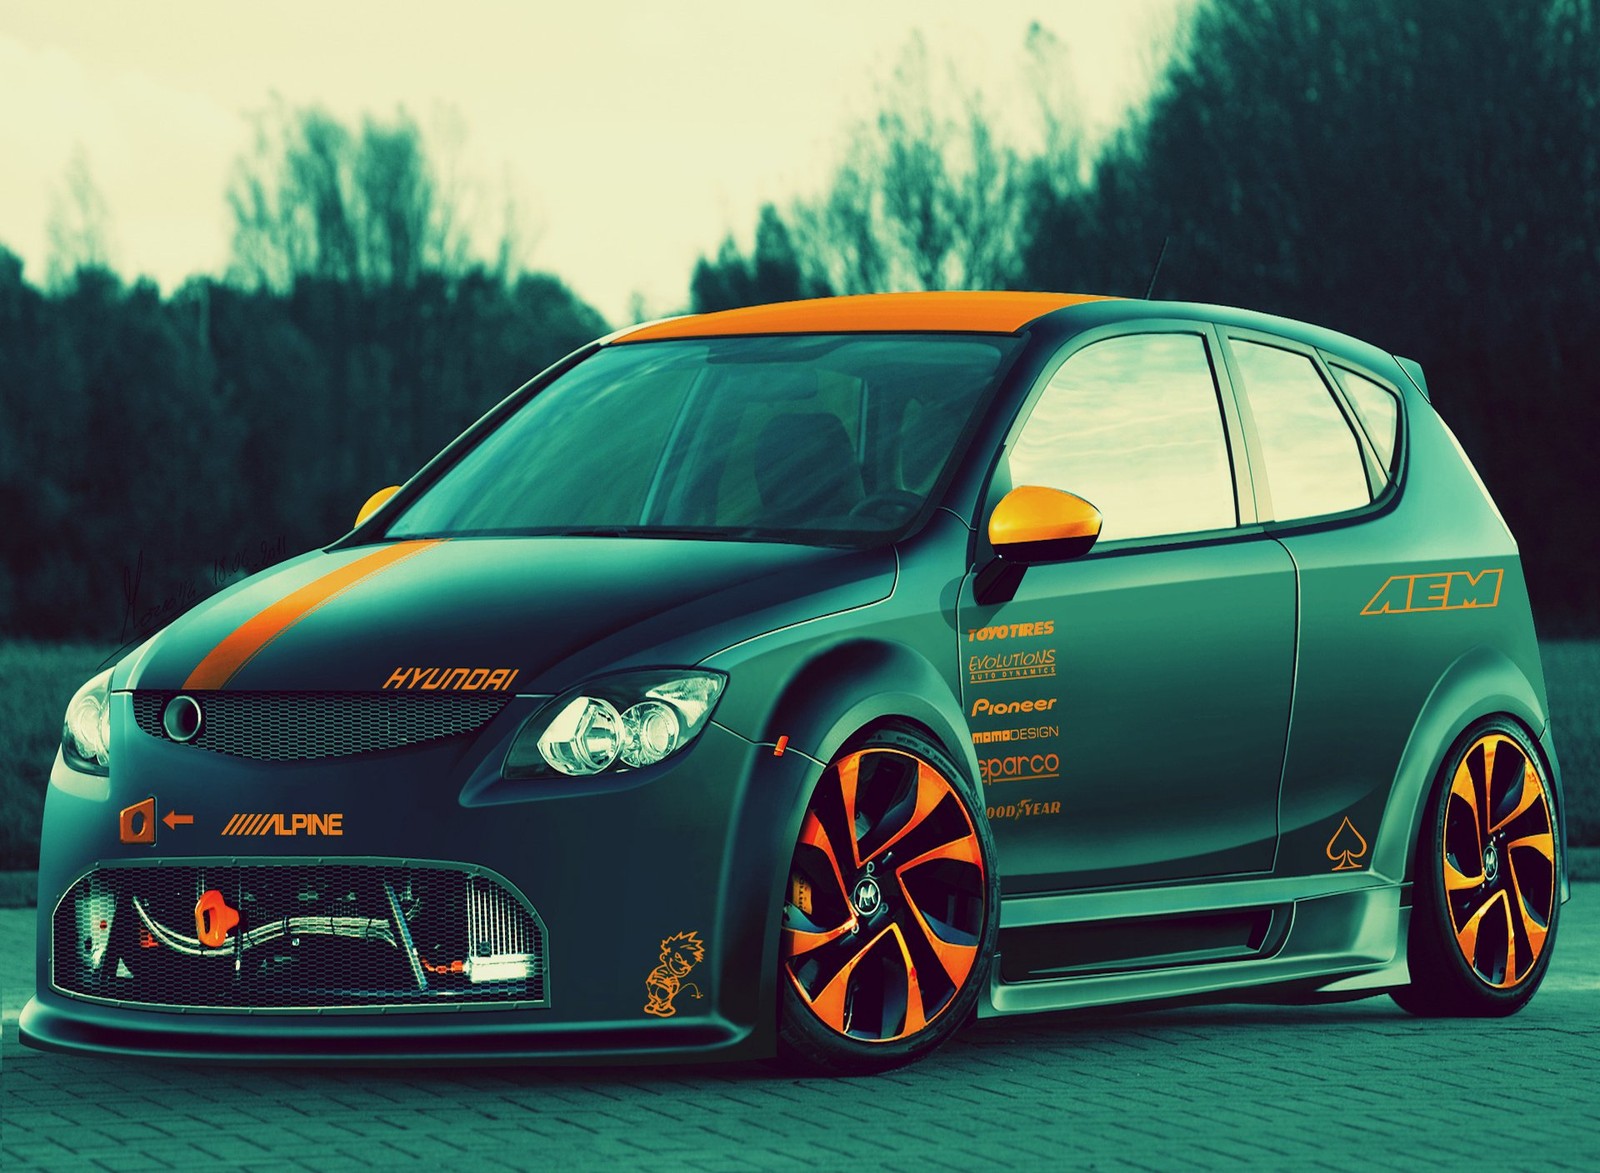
(1333, 1087)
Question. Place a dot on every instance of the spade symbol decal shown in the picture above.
(1346, 847)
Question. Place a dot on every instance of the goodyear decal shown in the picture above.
(285, 824)
(1453, 590)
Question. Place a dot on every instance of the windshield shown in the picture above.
(838, 439)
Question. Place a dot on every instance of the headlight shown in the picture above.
(621, 722)
(86, 731)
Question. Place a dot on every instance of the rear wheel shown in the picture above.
(1485, 895)
(891, 909)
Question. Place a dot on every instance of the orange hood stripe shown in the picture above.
(223, 662)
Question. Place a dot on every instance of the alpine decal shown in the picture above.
(238, 648)
(1454, 590)
(282, 824)
(453, 679)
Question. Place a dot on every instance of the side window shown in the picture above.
(1313, 463)
(1133, 425)
(1379, 412)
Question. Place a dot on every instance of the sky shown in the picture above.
(631, 136)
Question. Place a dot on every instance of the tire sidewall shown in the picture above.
(811, 1044)
(1463, 990)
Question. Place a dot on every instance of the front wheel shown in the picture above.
(891, 910)
(1486, 894)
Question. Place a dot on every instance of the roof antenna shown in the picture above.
(1156, 272)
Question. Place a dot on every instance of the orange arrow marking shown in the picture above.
(173, 818)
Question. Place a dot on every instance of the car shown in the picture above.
(809, 679)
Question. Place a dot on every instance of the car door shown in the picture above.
(1129, 707)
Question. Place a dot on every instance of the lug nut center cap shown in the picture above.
(1491, 863)
(867, 896)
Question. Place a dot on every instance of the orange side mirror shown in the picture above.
(1033, 524)
(375, 502)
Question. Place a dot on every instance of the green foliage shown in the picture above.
(156, 447)
(1415, 174)
(39, 681)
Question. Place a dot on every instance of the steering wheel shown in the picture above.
(892, 507)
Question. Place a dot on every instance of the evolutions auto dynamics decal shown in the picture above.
(1454, 590)
(223, 662)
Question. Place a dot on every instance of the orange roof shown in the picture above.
(984, 313)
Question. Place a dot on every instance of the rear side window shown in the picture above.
(1378, 411)
(1133, 425)
(1312, 460)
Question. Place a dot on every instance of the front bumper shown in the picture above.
(695, 848)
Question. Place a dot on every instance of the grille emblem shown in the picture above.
(182, 718)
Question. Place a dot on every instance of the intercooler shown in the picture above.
(298, 935)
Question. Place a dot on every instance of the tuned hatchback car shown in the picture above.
(807, 678)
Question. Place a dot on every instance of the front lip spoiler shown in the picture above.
(203, 1040)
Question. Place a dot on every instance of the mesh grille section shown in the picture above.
(302, 726)
(323, 936)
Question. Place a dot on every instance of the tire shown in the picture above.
(1485, 891)
(890, 912)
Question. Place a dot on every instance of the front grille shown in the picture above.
(302, 726)
(308, 935)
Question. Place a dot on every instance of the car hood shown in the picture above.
(545, 611)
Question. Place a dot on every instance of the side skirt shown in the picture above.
(1234, 941)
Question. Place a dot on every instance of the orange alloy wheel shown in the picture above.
(1499, 861)
(893, 869)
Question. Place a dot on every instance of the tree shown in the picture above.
(79, 225)
(315, 200)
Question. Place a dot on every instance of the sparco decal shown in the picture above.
(453, 679)
(1027, 767)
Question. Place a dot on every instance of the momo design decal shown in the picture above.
(679, 954)
(1454, 590)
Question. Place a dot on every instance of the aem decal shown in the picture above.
(285, 824)
(679, 954)
(1454, 590)
(452, 679)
